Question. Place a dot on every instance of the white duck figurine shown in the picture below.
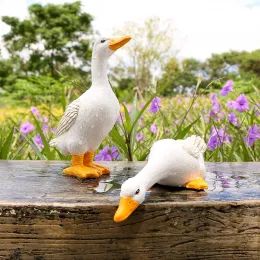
(171, 162)
(89, 119)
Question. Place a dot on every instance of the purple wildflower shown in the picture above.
(213, 96)
(215, 106)
(153, 129)
(107, 154)
(232, 104)
(218, 138)
(228, 87)
(35, 110)
(26, 128)
(155, 105)
(104, 155)
(211, 113)
(253, 135)
(232, 118)
(257, 112)
(213, 142)
(37, 139)
(45, 127)
(215, 103)
(216, 116)
(129, 108)
(242, 103)
(45, 120)
(114, 152)
(139, 137)
(119, 119)
(206, 119)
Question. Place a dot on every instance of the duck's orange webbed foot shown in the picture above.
(78, 169)
(88, 161)
(197, 184)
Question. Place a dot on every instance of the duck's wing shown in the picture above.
(68, 118)
(195, 146)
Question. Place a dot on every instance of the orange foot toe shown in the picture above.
(197, 184)
(101, 169)
(82, 172)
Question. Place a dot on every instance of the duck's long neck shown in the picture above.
(148, 176)
(99, 71)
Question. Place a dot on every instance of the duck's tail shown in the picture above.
(195, 146)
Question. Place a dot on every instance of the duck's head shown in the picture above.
(131, 196)
(105, 47)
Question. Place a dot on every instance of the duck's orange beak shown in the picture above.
(117, 43)
(126, 206)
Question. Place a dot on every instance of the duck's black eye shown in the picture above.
(137, 191)
(102, 41)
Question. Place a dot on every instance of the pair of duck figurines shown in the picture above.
(89, 119)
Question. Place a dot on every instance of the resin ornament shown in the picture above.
(171, 162)
(89, 119)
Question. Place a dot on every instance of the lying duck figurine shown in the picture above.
(89, 119)
(171, 162)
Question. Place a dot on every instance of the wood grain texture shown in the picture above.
(44, 215)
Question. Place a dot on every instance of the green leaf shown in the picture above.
(256, 89)
(144, 155)
(147, 104)
(232, 150)
(7, 145)
(252, 116)
(18, 150)
(35, 148)
(46, 150)
(61, 156)
(134, 114)
(127, 119)
(238, 158)
(182, 133)
(63, 98)
(118, 140)
(245, 151)
(211, 155)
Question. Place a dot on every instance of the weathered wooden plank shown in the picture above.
(44, 215)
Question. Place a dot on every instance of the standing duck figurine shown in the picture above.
(171, 162)
(89, 119)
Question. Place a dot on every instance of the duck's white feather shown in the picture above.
(195, 146)
(67, 120)
(174, 162)
(98, 111)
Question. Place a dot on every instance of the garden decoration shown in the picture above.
(171, 162)
(89, 119)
